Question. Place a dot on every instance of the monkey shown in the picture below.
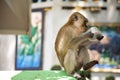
(71, 45)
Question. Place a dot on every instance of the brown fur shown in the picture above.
(70, 44)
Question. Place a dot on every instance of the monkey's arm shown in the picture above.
(82, 39)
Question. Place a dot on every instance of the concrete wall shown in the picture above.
(7, 52)
(50, 33)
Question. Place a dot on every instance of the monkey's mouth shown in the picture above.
(86, 27)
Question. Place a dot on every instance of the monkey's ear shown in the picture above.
(75, 18)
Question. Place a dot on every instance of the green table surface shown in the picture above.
(42, 75)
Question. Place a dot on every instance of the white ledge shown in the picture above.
(42, 5)
(73, 4)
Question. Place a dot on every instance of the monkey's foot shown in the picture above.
(90, 64)
(77, 76)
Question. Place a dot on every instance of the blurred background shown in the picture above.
(32, 47)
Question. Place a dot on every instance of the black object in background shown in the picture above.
(105, 0)
(43, 0)
(34, 1)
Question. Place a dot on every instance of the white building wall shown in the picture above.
(7, 52)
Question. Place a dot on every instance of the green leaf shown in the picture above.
(33, 31)
(25, 39)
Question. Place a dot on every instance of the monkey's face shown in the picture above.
(79, 21)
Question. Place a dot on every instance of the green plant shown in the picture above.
(110, 77)
(56, 67)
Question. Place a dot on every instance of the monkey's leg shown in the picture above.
(70, 63)
(90, 64)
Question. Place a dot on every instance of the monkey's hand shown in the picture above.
(88, 34)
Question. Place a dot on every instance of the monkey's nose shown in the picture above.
(100, 37)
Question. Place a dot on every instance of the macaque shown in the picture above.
(71, 44)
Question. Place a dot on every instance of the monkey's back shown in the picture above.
(61, 44)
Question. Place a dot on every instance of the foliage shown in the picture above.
(110, 78)
(56, 67)
(85, 74)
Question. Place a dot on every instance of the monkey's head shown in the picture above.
(79, 21)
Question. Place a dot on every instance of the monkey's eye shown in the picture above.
(86, 21)
(88, 27)
(75, 18)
